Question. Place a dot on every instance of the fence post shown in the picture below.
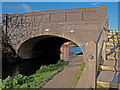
(91, 64)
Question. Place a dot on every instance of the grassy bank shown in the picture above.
(36, 80)
(80, 73)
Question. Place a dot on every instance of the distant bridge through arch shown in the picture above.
(78, 25)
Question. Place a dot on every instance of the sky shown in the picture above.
(23, 7)
(60, 0)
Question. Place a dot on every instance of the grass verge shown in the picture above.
(80, 73)
(0, 84)
(37, 80)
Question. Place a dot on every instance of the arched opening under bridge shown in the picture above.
(45, 50)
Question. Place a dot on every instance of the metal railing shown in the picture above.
(101, 47)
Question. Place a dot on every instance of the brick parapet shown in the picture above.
(86, 23)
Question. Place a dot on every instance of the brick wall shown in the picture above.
(87, 24)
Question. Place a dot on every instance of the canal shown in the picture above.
(30, 66)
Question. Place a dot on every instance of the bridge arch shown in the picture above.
(26, 46)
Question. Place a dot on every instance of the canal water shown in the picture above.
(30, 66)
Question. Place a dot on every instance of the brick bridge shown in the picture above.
(50, 29)
(40, 33)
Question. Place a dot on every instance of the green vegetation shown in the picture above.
(80, 73)
(36, 80)
(0, 84)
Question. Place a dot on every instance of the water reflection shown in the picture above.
(28, 66)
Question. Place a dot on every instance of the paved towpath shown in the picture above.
(67, 77)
